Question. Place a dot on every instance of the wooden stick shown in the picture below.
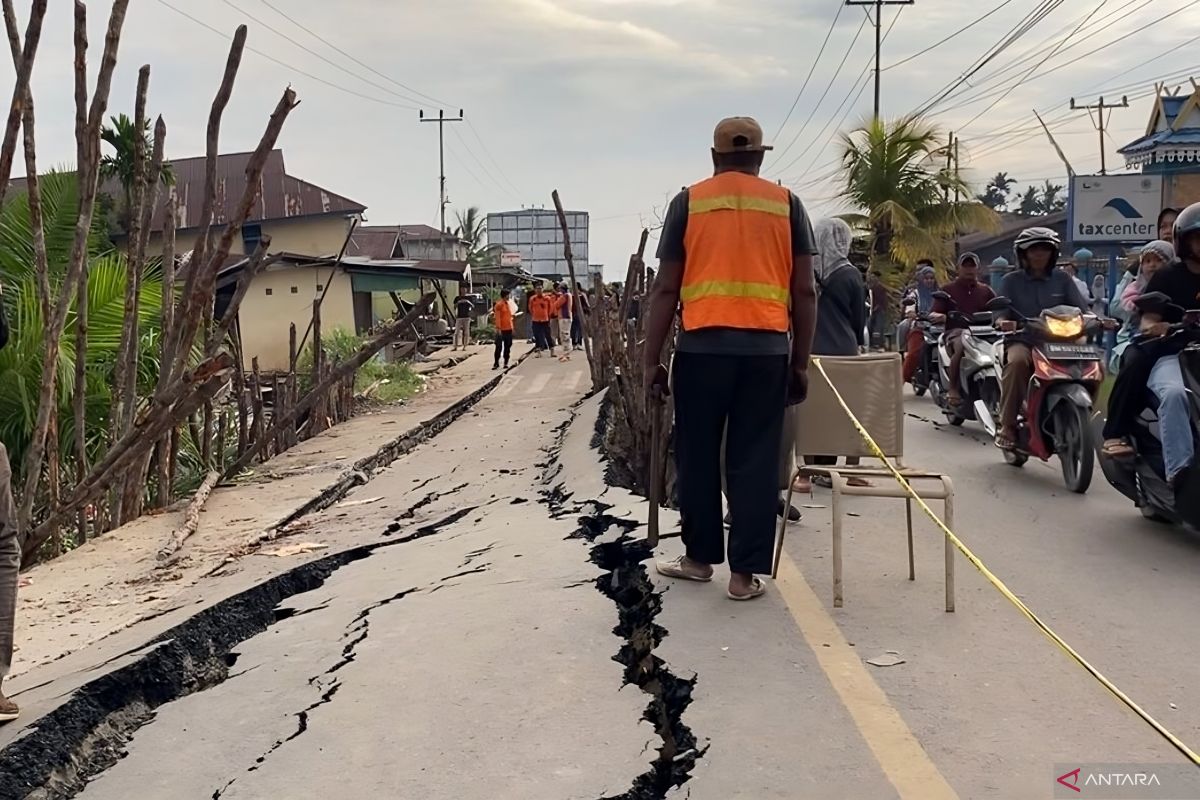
(168, 552)
(583, 322)
(389, 332)
(166, 355)
(33, 35)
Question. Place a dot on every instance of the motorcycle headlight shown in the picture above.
(1065, 328)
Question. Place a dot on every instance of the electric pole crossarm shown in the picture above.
(878, 21)
(1100, 121)
(441, 119)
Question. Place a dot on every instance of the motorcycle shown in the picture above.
(927, 370)
(1068, 369)
(979, 382)
(1142, 477)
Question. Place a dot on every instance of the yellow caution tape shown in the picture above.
(999, 584)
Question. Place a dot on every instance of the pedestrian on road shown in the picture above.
(736, 251)
(555, 316)
(539, 313)
(564, 321)
(463, 308)
(10, 560)
(879, 309)
(841, 307)
(504, 328)
(577, 323)
(1166, 224)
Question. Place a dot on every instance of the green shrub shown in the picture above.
(338, 345)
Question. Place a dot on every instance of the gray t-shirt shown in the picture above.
(1031, 296)
(730, 341)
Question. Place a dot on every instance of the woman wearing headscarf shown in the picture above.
(841, 302)
(919, 301)
(1154, 256)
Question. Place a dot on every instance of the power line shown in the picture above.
(350, 56)
(1033, 69)
(811, 70)
(488, 153)
(315, 54)
(482, 166)
(1027, 23)
(1119, 40)
(938, 44)
(878, 22)
(864, 80)
(824, 94)
(286, 65)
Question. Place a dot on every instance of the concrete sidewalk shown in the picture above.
(113, 582)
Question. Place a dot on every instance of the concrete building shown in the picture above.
(536, 234)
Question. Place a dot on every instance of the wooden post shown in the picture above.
(222, 430)
(293, 354)
(318, 411)
(257, 402)
(587, 343)
(207, 433)
(276, 399)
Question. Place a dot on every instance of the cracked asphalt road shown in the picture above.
(473, 657)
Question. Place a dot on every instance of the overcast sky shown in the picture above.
(610, 101)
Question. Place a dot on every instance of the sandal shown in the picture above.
(675, 569)
(860, 482)
(1117, 448)
(1005, 443)
(757, 589)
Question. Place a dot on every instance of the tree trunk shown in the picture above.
(166, 356)
(88, 174)
(23, 67)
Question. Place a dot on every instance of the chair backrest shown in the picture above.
(872, 386)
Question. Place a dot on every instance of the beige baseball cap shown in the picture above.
(738, 135)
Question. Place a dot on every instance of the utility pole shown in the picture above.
(1099, 121)
(879, 4)
(441, 119)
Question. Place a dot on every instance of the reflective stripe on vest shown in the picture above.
(738, 245)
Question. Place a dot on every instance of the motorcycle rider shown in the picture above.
(1154, 363)
(918, 301)
(969, 297)
(1031, 289)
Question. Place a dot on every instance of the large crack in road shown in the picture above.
(626, 582)
(87, 734)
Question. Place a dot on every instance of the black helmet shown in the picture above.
(1187, 222)
(1033, 236)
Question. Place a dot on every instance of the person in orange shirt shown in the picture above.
(504, 328)
(539, 315)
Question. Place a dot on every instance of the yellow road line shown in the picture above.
(896, 749)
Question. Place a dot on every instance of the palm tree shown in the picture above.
(120, 164)
(21, 360)
(895, 173)
(995, 195)
(472, 230)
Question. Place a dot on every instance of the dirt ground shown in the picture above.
(113, 582)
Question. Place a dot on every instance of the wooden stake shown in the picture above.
(583, 321)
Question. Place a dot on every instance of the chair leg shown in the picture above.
(783, 528)
(912, 564)
(949, 520)
(837, 540)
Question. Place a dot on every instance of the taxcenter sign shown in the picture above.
(1115, 208)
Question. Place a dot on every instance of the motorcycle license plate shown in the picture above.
(1071, 352)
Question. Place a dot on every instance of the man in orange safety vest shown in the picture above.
(736, 258)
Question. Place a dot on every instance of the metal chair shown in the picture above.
(872, 387)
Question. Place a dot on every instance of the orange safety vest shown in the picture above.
(738, 268)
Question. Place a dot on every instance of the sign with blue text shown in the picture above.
(1114, 208)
